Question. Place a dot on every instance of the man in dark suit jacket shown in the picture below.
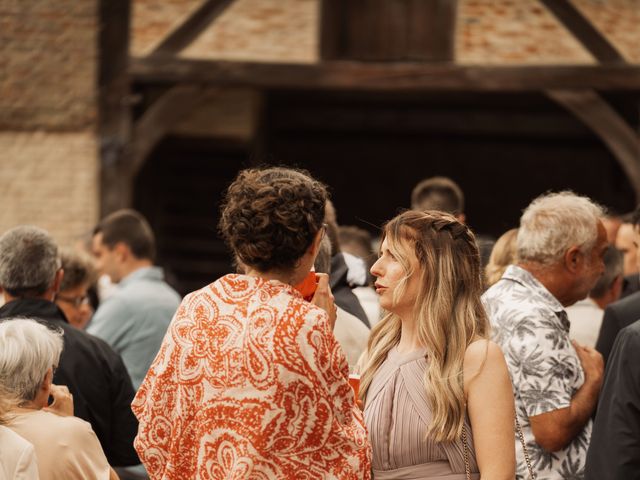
(30, 276)
(614, 451)
(617, 316)
(624, 312)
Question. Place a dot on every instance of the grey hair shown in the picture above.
(555, 222)
(28, 261)
(27, 350)
(613, 268)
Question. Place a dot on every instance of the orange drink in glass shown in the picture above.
(354, 379)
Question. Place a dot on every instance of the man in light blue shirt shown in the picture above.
(134, 319)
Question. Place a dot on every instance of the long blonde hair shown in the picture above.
(448, 310)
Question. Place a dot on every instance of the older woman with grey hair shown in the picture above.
(66, 447)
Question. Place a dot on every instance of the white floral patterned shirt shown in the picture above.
(532, 328)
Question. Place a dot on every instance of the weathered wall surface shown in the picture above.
(49, 180)
(48, 111)
(48, 64)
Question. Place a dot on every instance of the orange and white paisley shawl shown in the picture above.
(250, 383)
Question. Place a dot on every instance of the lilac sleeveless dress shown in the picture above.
(397, 414)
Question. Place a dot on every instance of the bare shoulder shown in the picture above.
(483, 358)
(481, 351)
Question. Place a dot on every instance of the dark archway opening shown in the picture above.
(371, 149)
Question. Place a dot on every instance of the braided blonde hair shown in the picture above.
(448, 310)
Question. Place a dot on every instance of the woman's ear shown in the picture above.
(42, 397)
(48, 380)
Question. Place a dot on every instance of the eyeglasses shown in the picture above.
(75, 301)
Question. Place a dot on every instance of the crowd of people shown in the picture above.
(473, 359)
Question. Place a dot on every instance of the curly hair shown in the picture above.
(270, 216)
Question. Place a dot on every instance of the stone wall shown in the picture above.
(48, 111)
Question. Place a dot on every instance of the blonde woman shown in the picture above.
(503, 254)
(430, 377)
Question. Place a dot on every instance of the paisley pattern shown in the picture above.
(250, 383)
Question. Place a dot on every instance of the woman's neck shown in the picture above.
(273, 275)
(26, 407)
(409, 341)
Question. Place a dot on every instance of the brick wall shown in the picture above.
(503, 32)
(263, 30)
(152, 20)
(48, 64)
(49, 180)
(48, 108)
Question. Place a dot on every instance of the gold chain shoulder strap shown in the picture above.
(465, 451)
(524, 449)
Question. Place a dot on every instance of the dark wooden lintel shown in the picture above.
(396, 76)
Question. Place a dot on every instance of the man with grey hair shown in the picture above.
(30, 276)
(586, 315)
(561, 243)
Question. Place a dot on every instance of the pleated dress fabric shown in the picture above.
(397, 414)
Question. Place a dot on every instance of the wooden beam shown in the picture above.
(397, 76)
(387, 30)
(592, 110)
(584, 31)
(425, 119)
(114, 119)
(332, 29)
(192, 27)
(154, 124)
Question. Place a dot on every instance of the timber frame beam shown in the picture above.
(154, 124)
(584, 31)
(394, 76)
(192, 27)
(114, 121)
(593, 111)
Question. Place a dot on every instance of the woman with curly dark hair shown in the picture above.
(250, 382)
